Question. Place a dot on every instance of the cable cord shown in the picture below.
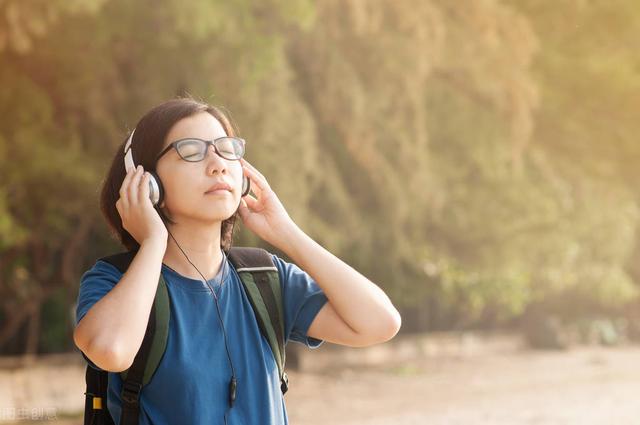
(233, 372)
(233, 383)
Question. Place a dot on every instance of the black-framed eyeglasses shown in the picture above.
(193, 149)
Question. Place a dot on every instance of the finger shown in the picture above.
(243, 210)
(119, 206)
(254, 169)
(134, 185)
(260, 184)
(251, 202)
(124, 187)
(254, 187)
(143, 193)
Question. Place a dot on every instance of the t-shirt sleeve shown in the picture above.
(95, 283)
(303, 299)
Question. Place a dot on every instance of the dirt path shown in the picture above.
(582, 386)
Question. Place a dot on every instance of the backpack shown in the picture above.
(261, 283)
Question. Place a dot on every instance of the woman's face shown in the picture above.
(186, 183)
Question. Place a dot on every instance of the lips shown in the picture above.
(219, 186)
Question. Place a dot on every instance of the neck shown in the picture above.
(201, 244)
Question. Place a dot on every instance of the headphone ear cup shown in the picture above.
(246, 185)
(156, 191)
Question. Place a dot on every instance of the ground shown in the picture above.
(582, 386)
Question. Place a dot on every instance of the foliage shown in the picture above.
(478, 161)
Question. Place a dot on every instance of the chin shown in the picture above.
(220, 214)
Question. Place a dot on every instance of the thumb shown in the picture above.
(243, 210)
(250, 202)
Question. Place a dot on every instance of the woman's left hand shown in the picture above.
(265, 215)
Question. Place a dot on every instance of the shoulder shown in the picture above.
(102, 271)
(254, 259)
(246, 258)
(95, 283)
(287, 270)
(113, 265)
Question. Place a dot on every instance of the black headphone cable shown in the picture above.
(233, 384)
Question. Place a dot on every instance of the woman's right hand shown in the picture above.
(138, 215)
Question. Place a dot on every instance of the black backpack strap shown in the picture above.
(121, 260)
(261, 282)
(152, 348)
(95, 404)
(97, 381)
(132, 384)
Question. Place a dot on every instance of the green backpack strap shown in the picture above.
(260, 278)
(153, 344)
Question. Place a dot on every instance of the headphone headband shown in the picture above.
(154, 186)
(128, 156)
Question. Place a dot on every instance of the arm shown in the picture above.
(358, 313)
(111, 332)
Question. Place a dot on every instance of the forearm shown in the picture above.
(360, 303)
(111, 332)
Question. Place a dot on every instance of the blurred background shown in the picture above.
(476, 159)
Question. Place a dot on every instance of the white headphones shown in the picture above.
(156, 191)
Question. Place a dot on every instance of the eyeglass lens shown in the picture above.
(195, 150)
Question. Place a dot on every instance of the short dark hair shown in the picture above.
(150, 134)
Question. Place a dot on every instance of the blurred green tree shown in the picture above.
(477, 162)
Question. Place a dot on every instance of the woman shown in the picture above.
(185, 237)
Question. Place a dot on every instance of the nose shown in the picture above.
(214, 161)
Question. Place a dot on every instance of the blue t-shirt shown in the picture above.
(191, 383)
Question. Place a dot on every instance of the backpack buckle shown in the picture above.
(284, 383)
(131, 392)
